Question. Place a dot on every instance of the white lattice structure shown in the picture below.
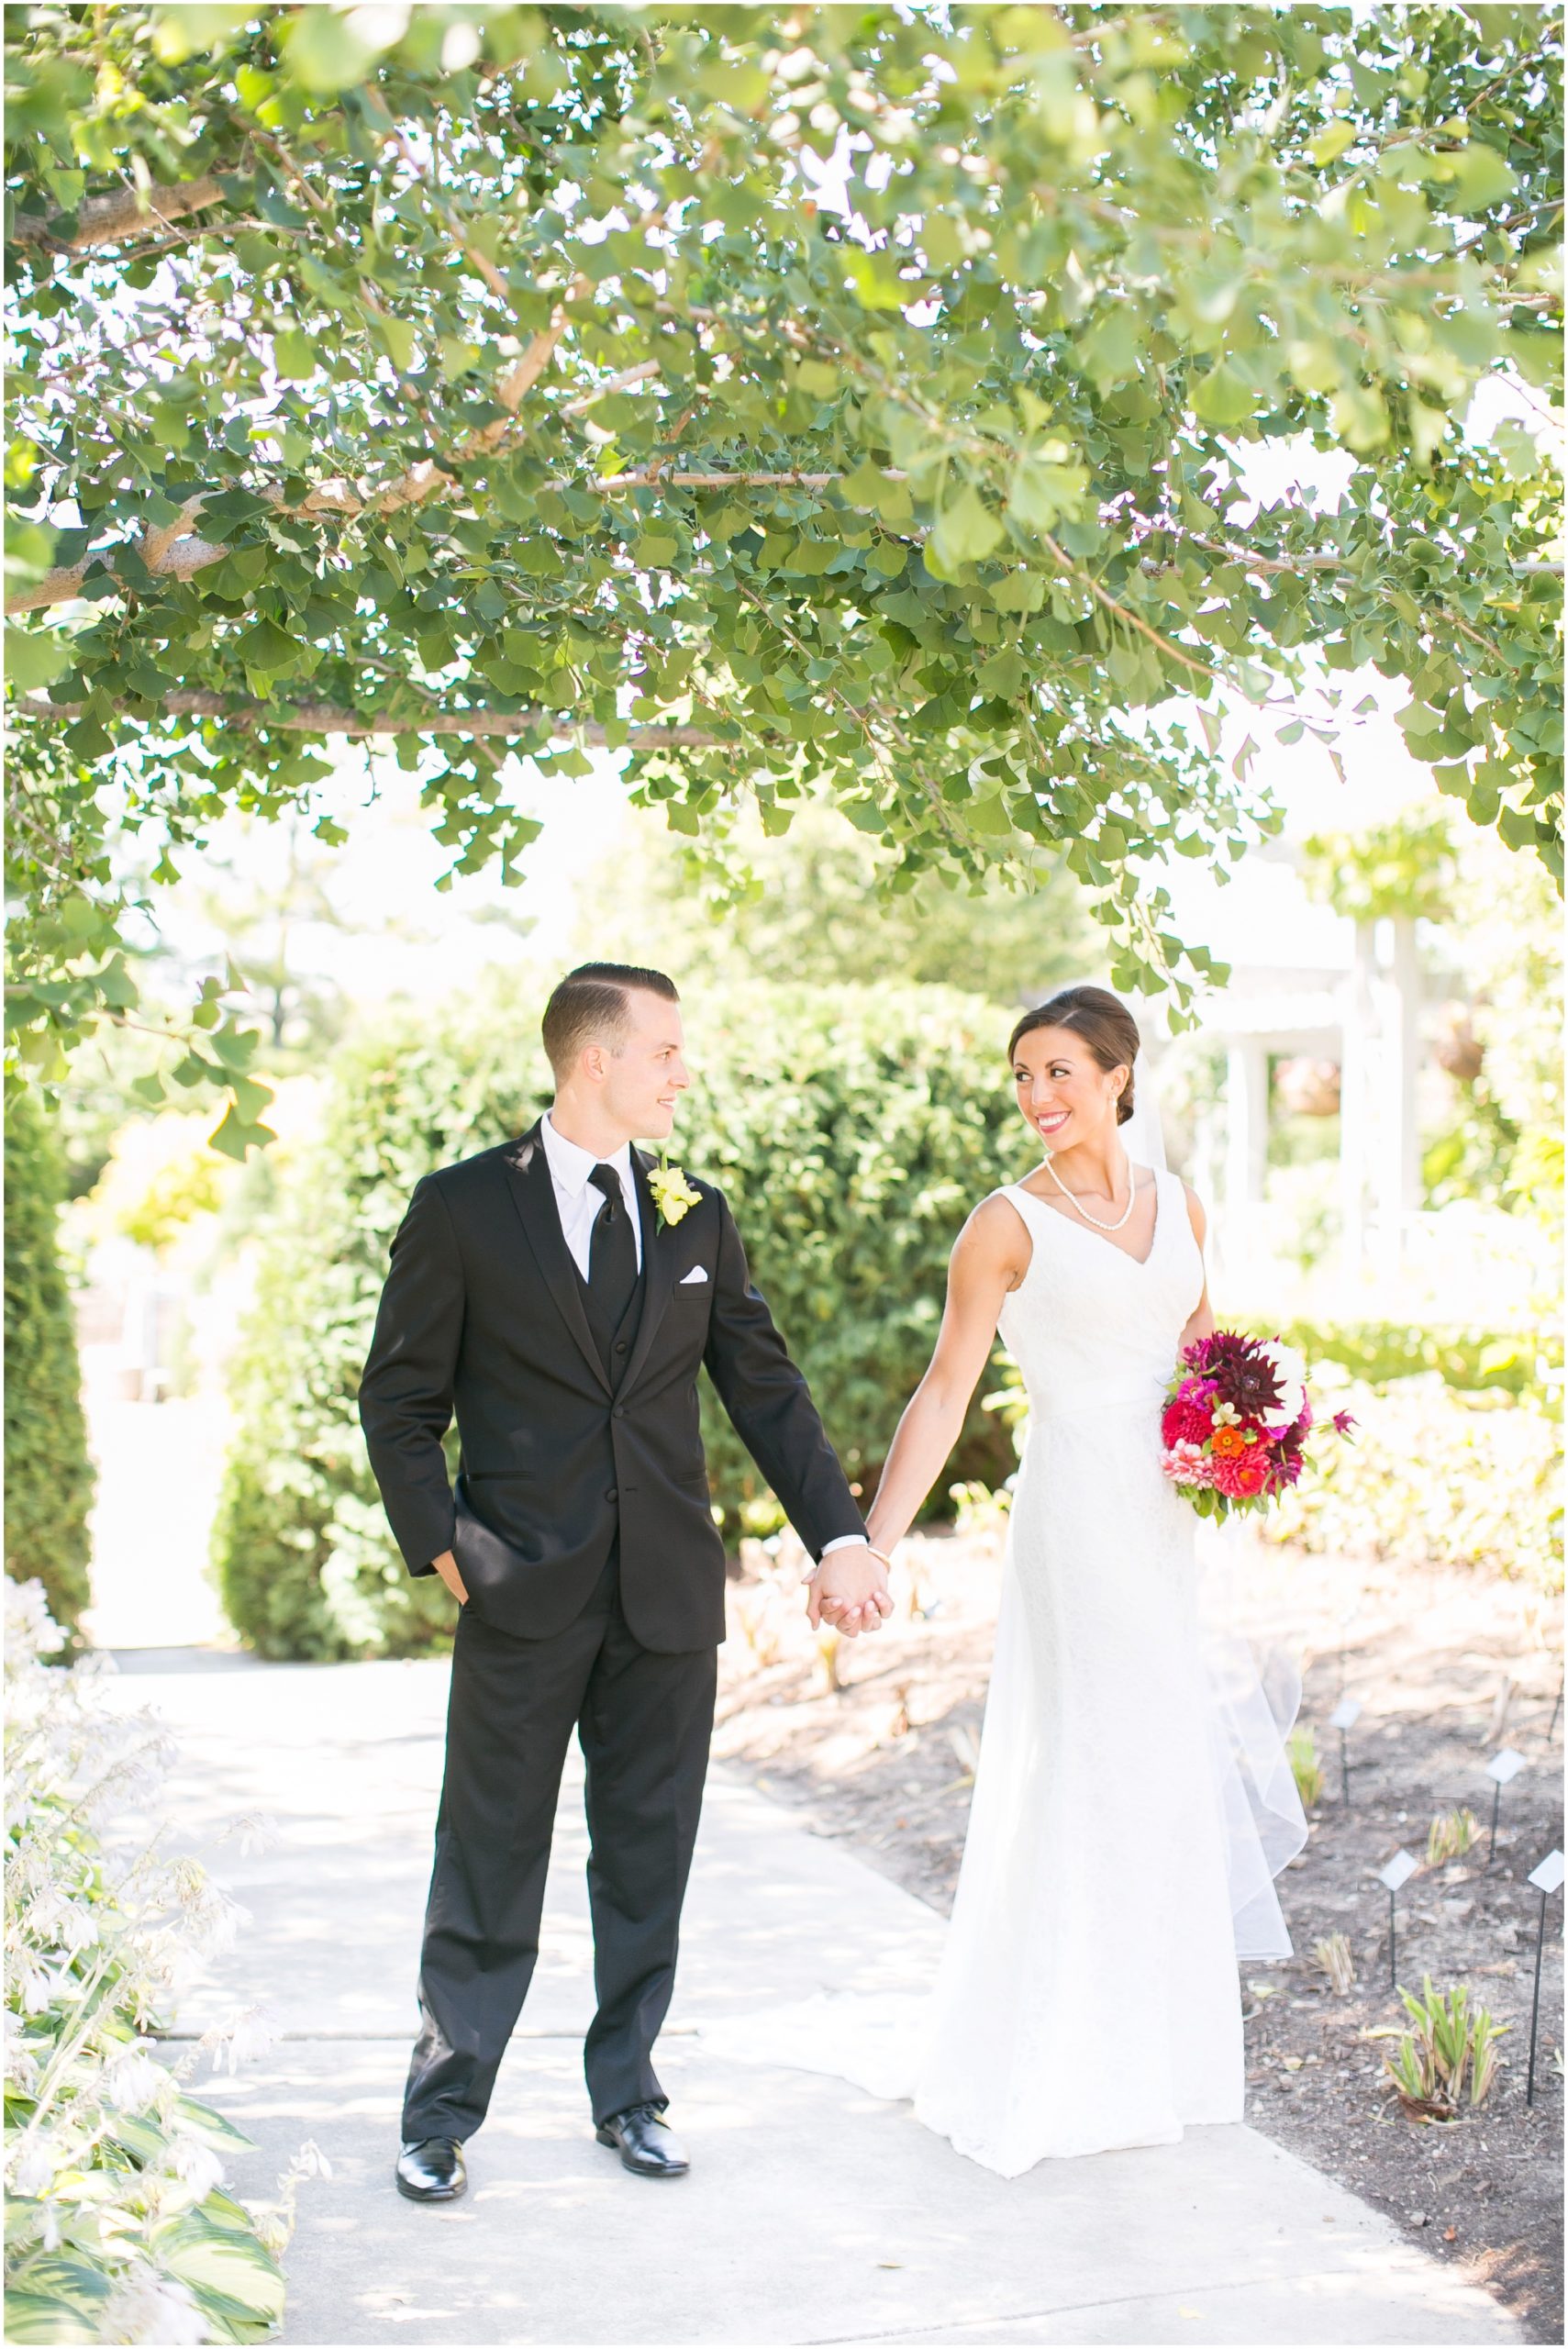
(1366, 1018)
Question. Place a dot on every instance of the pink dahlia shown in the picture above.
(1187, 1464)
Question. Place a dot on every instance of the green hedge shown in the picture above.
(1522, 1361)
(49, 1476)
(852, 1128)
(303, 1561)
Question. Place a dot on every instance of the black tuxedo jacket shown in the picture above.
(483, 1314)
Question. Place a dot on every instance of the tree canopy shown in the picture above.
(835, 399)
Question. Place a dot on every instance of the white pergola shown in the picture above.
(1366, 1018)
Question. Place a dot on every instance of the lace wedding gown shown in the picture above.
(1132, 1801)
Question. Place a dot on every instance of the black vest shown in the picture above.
(614, 1345)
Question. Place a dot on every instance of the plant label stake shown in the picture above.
(1400, 1869)
(1500, 1769)
(1345, 1715)
(1547, 1879)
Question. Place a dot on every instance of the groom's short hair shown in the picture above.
(589, 1006)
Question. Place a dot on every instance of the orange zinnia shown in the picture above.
(1229, 1441)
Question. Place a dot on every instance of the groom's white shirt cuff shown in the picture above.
(840, 1542)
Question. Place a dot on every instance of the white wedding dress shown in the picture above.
(1132, 1800)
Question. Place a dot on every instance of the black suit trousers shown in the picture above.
(645, 1720)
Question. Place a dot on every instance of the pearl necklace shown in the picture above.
(1098, 1222)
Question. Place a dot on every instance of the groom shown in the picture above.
(561, 1304)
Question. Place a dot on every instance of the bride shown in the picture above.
(1131, 1800)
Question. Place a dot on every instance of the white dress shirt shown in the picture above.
(579, 1202)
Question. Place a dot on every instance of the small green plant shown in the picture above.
(1332, 1958)
(1428, 2069)
(1306, 1768)
(1448, 1836)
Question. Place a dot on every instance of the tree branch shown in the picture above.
(654, 477)
(330, 718)
(1254, 562)
(107, 220)
(641, 374)
(178, 552)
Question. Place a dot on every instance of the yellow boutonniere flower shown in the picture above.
(672, 1195)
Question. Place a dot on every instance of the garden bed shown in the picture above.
(1447, 1666)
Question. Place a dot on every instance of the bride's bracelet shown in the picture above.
(882, 1554)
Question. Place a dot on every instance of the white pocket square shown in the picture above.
(698, 1273)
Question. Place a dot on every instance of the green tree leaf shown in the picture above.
(33, 659)
(966, 531)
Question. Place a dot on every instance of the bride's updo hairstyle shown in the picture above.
(1104, 1022)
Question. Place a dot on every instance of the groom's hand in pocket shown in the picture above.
(446, 1566)
(849, 1591)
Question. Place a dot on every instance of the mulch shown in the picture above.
(877, 1739)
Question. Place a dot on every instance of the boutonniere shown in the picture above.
(672, 1195)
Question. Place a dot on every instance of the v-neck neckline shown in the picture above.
(1060, 1214)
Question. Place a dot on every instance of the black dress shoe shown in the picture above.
(646, 2143)
(430, 2169)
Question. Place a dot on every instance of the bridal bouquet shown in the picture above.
(1236, 1422)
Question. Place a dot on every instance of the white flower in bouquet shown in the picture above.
(1290, 1370)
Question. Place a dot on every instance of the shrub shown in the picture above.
(305, 1561)
(1454, 1464)
(1431, 1477)
(49, 1476)
(117, 2224)
(852, 1128)
(160, 1175)
(1521, 1361)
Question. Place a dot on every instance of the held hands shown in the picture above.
(849, 1592)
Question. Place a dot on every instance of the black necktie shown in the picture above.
(612, 1250)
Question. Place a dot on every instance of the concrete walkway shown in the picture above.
(813, 2212)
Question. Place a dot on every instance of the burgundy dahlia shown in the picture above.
(1246, 1377)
